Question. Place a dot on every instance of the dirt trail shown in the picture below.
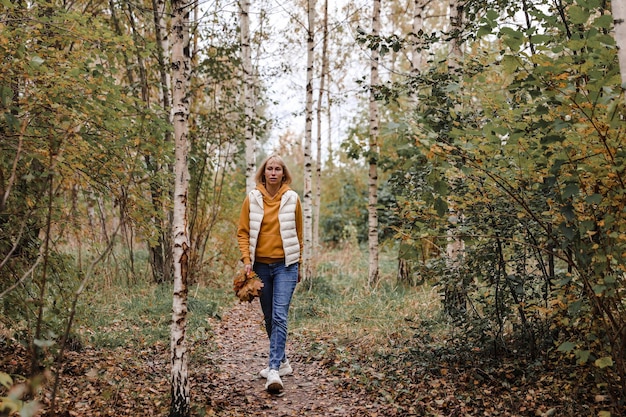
(239, 390)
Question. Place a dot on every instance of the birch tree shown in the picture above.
(320, 98)
(417, 26)
(455, 293)
(248, 94)
(181, 74)
(373, 154)
(307, 208)
(619, 17)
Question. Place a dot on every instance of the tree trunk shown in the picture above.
(160, 261)
(418, 24)
(404, 265)
(160, 255)
(181, 74)
(320, 98)
(619, 16)
(454, 299)
(373, 155)
(404, 271)
(307, 209)
(248, 94)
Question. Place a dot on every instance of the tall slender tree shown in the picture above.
(455, 248)
(307, 208)
(373, 152)
(417, 23)
(248, 93)
(160, 254)
(320, 100)
(181, 74)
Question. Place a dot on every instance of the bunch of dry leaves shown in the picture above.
(247, 286)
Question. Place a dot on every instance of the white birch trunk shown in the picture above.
(418, 24)
(373, 156)
(318, 166)
(455, 248)
(307, 209)
(181, 74)
(248, 94)
(619, 16)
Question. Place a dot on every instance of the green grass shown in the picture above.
(338, 306)
(140, 315)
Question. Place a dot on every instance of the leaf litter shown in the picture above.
(328, 379)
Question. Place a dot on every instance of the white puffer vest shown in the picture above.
(286, 220)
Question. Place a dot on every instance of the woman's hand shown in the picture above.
(247, 268)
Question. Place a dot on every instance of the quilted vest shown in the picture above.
(286, 220)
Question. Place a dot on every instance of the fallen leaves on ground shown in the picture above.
(329, 379)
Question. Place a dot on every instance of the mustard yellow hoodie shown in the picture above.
(269, 248)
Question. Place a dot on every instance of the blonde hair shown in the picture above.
(260, 173)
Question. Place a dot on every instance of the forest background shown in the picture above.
(476, 145)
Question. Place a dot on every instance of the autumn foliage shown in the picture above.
(247, 286)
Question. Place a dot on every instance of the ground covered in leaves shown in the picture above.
(329, 380)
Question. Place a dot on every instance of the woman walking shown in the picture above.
(270, 240)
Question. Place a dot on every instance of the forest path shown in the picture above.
(238, 389)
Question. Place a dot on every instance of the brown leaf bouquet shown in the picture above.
(247, 287)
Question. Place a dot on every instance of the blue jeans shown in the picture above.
(279, 283)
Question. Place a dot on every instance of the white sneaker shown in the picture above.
(284, 370)
(273, 384)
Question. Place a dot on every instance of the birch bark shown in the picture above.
(307, 209)
(181, 74)
(320, 99)
(373, 155)
(455, 248)
(248, 94)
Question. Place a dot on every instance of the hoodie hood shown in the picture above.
(282, 190)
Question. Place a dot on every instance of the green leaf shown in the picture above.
(583, 356)
(509, 63)
(483, 31)
(604, 362)
(568, 212)
(540, 39)
(512, 38)
(566, 347)
(441, 207)
(604, 21)
(594, 199)
(552, 139)
(570, 190)
(440, 187)
(12, 121)
(578, 15)
(599, 289)
(6, 95)
(574, 308)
